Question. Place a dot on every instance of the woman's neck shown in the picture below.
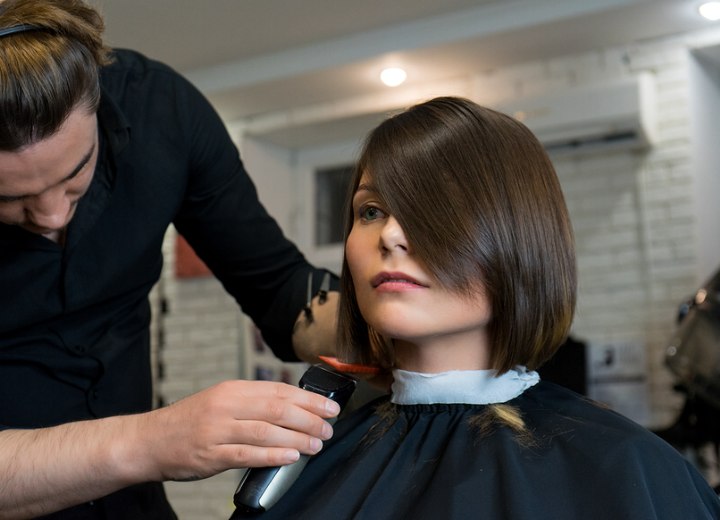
(443, 354)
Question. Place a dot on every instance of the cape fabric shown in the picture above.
(584, 462)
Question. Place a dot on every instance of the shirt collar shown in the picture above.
(113, 123)
(461, 386)
(114, 136)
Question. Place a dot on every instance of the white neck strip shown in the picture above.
(461, 386)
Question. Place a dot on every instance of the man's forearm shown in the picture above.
(234, 424)
(48, 469)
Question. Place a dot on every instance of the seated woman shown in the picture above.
(459, 277)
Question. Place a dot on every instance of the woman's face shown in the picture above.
(434, 329)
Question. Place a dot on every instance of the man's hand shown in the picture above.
(319, 336)
(235, 424)
(231, 425)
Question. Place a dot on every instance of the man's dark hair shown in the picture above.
(48, 68)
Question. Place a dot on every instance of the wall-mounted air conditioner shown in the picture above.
(611, 115)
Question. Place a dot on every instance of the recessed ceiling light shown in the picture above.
(393, 76)
(710, 10)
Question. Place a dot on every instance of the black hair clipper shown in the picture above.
(261, 488)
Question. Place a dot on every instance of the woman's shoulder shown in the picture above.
(575, 431)
(548, 405)
(556, 415)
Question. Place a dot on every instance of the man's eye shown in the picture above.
(369, 213)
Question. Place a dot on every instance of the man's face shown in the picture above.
(41, 184)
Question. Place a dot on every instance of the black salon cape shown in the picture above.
(587, 463)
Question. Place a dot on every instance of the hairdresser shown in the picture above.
(100, 151)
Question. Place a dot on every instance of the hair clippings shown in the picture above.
(13, 29)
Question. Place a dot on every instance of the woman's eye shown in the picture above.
(369, 213)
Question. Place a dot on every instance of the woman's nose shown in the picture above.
(392, 237)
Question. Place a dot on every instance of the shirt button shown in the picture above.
(94, 393)
(80, 349)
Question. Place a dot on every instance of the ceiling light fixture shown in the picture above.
(393, 76)
(710, 10)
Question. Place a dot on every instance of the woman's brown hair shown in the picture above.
(47, 69)
(479, 200)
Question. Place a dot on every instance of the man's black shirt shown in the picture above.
(74, 326)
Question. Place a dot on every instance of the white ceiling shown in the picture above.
(258, 57)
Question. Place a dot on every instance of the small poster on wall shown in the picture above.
(187, 263)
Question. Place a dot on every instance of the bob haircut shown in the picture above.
(49, 69)
(479, 201)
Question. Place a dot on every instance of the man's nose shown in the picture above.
(48, 210)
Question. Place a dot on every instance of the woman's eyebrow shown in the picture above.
(365, 186)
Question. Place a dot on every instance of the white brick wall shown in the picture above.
(635, 230)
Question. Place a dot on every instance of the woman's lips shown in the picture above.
(395, 280)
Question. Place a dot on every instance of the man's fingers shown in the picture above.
(236, 424)
(265, 435)
(263, 419)
(309, 401)
(279, 404)
(246, 456)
